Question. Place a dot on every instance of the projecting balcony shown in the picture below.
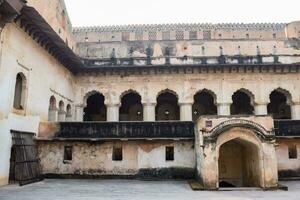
(287, 128)
(116, 130)
(191, 60)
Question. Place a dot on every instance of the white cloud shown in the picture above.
(111, 12)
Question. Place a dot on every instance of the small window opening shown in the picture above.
(274, 35)
(220, 36)
(169, 153)
(117, 154)
(293, 152)
(247, 36)
(68, 153)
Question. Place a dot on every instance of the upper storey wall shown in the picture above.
(187, 40)
(55, 13)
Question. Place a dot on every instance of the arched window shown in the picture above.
(241, 104)
(95, 109)
(20, 88)
(167, 107)
(69, 111)
(61, 106)
(204, 104)
(131, 107)
(52, 113)
(279, 106)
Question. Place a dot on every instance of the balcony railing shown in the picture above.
(191, 60)
(287, 128)
(129, 130)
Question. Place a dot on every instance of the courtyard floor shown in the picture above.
(135, 190)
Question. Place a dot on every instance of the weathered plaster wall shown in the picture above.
(44, 77)
(288, 167)
(186, 48)
(55, 13)
(140, 158)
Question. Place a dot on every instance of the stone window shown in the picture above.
(68, 153)
(274, 36)
(247, 36)
(117, 154)
(206, 35)
(170, 153)
(220, 36)
(166, 35)
(179, 35)
(139, 35)
(193, 35)
(152, 35)
(293, 152)
(125, 36)
(20, 88)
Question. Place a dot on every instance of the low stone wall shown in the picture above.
(141, 159)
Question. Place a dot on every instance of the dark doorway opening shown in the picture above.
(131, 107)
(167, 107)
(204, 105)
(241, 104)
(278, 106)
(95, 109)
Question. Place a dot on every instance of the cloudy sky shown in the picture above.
(113, 12)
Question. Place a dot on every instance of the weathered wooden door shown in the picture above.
(25, 165)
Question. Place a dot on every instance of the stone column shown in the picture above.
(186, 113)
(53, 115)
(224, 109)
(112, 112)
(295, 111)
(61, 116)
(79, 113)
(149, 112)
(261, 109)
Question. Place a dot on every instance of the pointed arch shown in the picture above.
(131, 106)
(204, 104)
(20, 91)
(95, 109)
(167, 107)
(242, 102)
(280, 104)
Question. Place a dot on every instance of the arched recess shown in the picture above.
(61, 106)
(242, 103)
(131, 107)
(69, 111)
(20, 91)
(239, 163)
(279, 106)
(52, 111)
(95, 109)
(167, 106)
(240, 153)
(204, 104)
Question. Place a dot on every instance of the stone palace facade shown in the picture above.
(215, 102)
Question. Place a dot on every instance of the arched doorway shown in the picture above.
(95, 109)
(167, 106)
(279, 107)
(204, 104)
(131, 107)
(239, 164)
(242, 103)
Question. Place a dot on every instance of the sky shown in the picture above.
(120, 12)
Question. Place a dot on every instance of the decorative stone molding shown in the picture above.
(259, 130)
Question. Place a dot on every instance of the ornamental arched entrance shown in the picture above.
(236, 152)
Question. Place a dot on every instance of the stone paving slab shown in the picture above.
(135, 190)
